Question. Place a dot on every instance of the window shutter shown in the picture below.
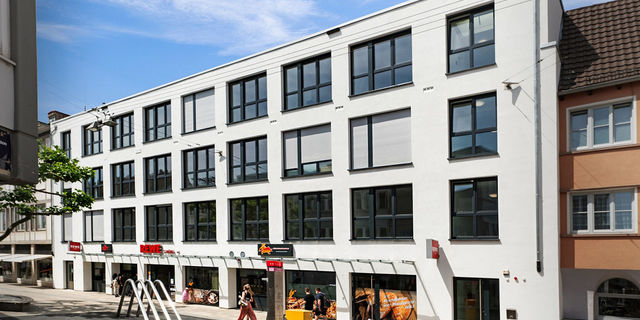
(291, 150)
(205, 109)
(359, 143)
(98, 226)
(316, 144)
(391, 138)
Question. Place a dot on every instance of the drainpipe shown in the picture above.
(538, 137)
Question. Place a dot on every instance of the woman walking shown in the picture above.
(245, 303)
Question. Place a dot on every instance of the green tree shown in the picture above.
(53, 164)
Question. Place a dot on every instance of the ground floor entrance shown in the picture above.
(97, 276)
(257, 279)
(164, 273)
(68, 274)
(380, 296)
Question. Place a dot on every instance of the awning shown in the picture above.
(24, 257)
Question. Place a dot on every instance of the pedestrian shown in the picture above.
(115, 285)
(120, 283)
(321, 305)
(245, 303)
(309, 299)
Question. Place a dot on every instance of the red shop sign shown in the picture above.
(274, 263)
(433, 249)
(75, 246)
(150, 248)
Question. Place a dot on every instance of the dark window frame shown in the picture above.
(118, 185)
(473, 132)
(89, 143)
(65, 142)
(371, 62)
(122, 226)
(243, 164)
(166, 176)
(300, 77)
(208, 171)
(166, 125)
(168, 223)
(184, 119)
(372, 217)
(93, 186)
(118, 134)
(481, 282)
(299, 171)
(91, 212)
(243, 104)
(474, 212)
(469, 15)
(259, 223)
(210, 226)
(301, 220)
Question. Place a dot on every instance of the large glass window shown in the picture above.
(308, 82)
(248, 98)
(248, 160)
(93, 226)
(202, 285)
(474, 209)
(383, 297)
(382, 212)
(381, 63)
(476, 299)
(94, 185)
(309, 216)
(200, 220)
(66, 143)
(198, 111)
(159, 221)
(123, 179)
(471, 40)
(199, 167)
(381, 140)
(92, 141)
(124, 224)
(157, 122)
(158, 173)
(250, 219)
(618, 298)
(473, 127)
(603, 211)
(122, 133)
(296, 281)
(601, 126)
(307, 151)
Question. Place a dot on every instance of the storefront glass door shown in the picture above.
(68, 266)
(383, 297)
(164, 273)
(257, 279)
(97, 277)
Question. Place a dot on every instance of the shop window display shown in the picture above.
(388, 297)
(297, 281)
(202, 286)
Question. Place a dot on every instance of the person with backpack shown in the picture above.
(245, 303)
(321, 306)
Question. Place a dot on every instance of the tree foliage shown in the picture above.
(53, 164)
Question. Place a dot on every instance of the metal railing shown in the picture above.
(139, 292)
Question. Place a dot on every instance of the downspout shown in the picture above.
(538, 137)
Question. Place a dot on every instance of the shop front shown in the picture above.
(164, 273)
(297, 281)
(201, 286)
(381, 296)
(257, 279)
(97, 276)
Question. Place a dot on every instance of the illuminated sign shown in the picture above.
(433, 249)
(275, 250)
(75, 246)
(150, 248)
(106, 248)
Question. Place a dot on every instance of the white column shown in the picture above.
(590, 305)
(86, 275)
(343, 291)
(179, 279)
(227, 279)
(108, 275)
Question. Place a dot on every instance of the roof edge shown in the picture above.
(599, 85)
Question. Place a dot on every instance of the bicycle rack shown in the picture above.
(134, 287)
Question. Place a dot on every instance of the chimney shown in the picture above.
(56, 115)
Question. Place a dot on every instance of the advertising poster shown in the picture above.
(201, 296)
(394, 304)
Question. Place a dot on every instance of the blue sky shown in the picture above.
(94, 51)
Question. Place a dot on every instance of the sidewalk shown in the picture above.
(57, 304)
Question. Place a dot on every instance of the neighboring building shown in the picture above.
(355, 145)
(18, 93)
(599, 161)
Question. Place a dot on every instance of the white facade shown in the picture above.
(534, 295)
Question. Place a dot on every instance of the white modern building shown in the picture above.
(356, 145)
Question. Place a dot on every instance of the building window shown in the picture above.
(199, 167)
(93, 226)
(248, 98)
(66, 143)
(157, 122)
(200, 220)
(476, 298)
(381, 140)
(471, 40)
(308, 82)
(473, 128)
(309, 216)
(159, 223)
(67, 227)
(122, 133)
(124, 182)
(40, 220)
(618, 298)
(92, 141)
(250, 219)
(124, 224)
(603, 212)
(307, 151)
(381, 63)
(158, 173)
(474, 209)
(198, 111)
(93, 186)
(3, 219)
(601, 126)
(248, 160)
(382, 212)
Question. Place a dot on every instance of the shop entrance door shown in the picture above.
(257, 279)
(383, 297)
(68, 267)
(164, 273)
(97, 277)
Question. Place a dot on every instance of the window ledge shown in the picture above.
(389, 166)
(156, 140)
(198, 188)
(200, 241)
(488, 66)
(245, 120)
(248, 241)
(93, 242)
(197, 131)
(124, 196)
(124, 242)
(158, 241)
(306, 107)
(476, 156)
(395, 86)
(328, 173)
(612, 147)
(247, 182)
(156, 192)
(601, 235)
(310, 241)
(382, 241)
(123, 148)
(483, 240)
(89, 155)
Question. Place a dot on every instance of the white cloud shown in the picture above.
(59, 32)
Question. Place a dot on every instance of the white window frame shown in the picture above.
(589, 108)
(590, 212)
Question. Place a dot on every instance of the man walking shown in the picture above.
(321, 305)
